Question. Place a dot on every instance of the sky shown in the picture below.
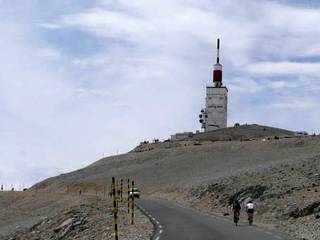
(84, 79)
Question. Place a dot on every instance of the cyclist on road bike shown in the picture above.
(250, 207)
(236, 207)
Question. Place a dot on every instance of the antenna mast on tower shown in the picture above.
(217, 68)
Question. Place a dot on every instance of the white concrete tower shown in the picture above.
(214, 116)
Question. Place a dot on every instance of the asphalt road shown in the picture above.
(175, 222)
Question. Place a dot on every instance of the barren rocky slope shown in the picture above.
(41, 216)
(287, 195)
(206, 173)
(185, 163)
(273, 167)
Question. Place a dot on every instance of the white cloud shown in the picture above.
(51, 26)
(284, 68)
(49, 54)
(295, 103)
(245, 86)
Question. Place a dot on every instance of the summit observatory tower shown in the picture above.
(214, 115)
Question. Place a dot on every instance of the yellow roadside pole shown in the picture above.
(121, 189)
(128, 196)
(132, 203)
(115, 209)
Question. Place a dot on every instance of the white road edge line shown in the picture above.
(154, 220)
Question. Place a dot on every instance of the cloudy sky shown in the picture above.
(84, 79)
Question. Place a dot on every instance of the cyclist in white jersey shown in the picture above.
(250, 207)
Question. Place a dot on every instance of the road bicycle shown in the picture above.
(250, 218)
(236, 216)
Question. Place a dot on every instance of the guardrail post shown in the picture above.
(128, 196)
(115, 209)
(121, 189)
(132, 203)
(117, 193)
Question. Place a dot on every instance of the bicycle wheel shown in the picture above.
(236, 218)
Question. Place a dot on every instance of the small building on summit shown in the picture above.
(214, 115)
(181, 136)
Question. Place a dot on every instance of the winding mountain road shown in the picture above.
(175, 222)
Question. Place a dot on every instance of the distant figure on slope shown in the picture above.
(250, 207)
(236, 207)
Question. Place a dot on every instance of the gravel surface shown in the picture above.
(86, 217)
(181, 164)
